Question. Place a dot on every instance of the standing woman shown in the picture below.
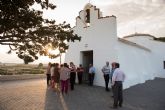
(72, 75)
(48, 74)
(56, 76)
(80, 71)
(52, 74)
(64, 77)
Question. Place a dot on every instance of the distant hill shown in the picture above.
(160, 39)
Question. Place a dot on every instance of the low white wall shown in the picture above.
(139, 65)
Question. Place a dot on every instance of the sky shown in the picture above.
(142, 16)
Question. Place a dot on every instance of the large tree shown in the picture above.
(25, 31)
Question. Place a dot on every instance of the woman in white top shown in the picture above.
(64, 78)
(52, 74)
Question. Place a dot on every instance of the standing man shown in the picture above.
(92, 72)
(106, 74)
(117, 82)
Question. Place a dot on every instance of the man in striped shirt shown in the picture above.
(106, 73)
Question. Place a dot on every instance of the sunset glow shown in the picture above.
(146, 16)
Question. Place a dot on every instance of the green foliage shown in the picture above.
(26, 31)
(3, 71)
(40, 65)
(37, 71)
(27, 59)
(160, 39)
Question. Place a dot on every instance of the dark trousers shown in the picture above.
(118, 93)
(72, 79)
(112, 87)
(79, 74)
(106, 78)
(91, 78)
(48, 79)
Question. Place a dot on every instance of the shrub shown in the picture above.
(3, 72)
(40, 65)
(36, 71)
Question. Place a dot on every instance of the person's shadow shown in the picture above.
(54, 100)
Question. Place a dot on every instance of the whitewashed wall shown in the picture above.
(101, 37)
(158, 52)
(136, 63)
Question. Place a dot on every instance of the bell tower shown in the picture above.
(87, 13)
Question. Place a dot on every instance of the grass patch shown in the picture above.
(18, 69)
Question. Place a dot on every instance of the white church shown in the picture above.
(140, 56)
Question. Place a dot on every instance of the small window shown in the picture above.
(88, 16)
(164, 64)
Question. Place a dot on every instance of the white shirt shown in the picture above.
(52, 71)
(64, 73)
(118, 75)
(92, 70)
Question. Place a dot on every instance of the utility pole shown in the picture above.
(60, 57)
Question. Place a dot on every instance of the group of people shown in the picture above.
(65, 74)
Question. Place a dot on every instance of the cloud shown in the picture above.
(145, 16)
